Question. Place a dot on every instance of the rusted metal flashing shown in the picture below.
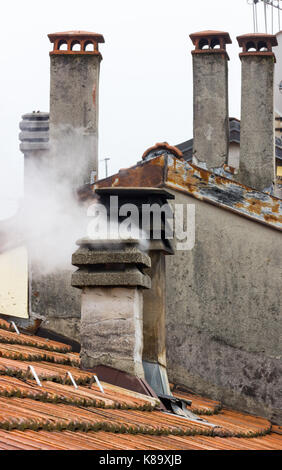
(172, 173)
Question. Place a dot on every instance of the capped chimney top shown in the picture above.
(160, 149)
(210, 41)
(76, 42)
(257, 44)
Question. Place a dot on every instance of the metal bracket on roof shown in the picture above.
(97, 382)
(69, 374)
(15, 327)
(32, 370)
(178, 406)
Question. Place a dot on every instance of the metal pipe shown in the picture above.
(265, 17)
(254, 18)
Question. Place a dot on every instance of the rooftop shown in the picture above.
(59, 416)
(169, 172)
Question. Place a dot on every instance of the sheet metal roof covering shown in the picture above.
(59, 416)
(166, 171)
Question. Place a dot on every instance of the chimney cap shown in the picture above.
(210, 42)
(160, 148)
(257, 36)
(257, 44)
(210, 34)
(66, 42)
(76, 35)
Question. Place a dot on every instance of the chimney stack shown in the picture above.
(74, 101)
(111, 277)
(211, 114)
(257, 148)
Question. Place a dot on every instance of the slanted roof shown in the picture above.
(166, 171)
(234, 137)
(59, 416)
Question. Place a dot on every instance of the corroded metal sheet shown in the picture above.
(143, 175)
(225, 193)
(172, 173)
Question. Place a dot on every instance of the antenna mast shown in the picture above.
(273, 4)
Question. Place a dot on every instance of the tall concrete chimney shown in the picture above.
(257, 150)
(75, 67)
(211, 115)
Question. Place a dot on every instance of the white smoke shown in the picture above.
(52, 218)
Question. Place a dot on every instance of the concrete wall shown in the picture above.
(224, 320)
(54, 299)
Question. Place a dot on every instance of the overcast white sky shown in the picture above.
(146, 74)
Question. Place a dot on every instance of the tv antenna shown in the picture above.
(106, 160)
(269, 8)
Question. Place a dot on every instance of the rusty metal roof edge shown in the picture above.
(241, 210)
(221, 206)
(196, 182)
(139, 166)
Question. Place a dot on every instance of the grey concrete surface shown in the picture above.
(112, 328)
(87, 256)
(224, 322)
(211, 115)
(74, 108)
(53, 297)
(257, 148)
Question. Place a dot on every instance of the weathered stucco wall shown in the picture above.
(53, 298)
(224, 320)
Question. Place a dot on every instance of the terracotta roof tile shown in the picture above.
(10, 337)
(83, 418)
(27, 353)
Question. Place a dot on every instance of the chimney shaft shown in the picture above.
(211, 115)
(111, 277)
(257, 150)
(74, 104)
